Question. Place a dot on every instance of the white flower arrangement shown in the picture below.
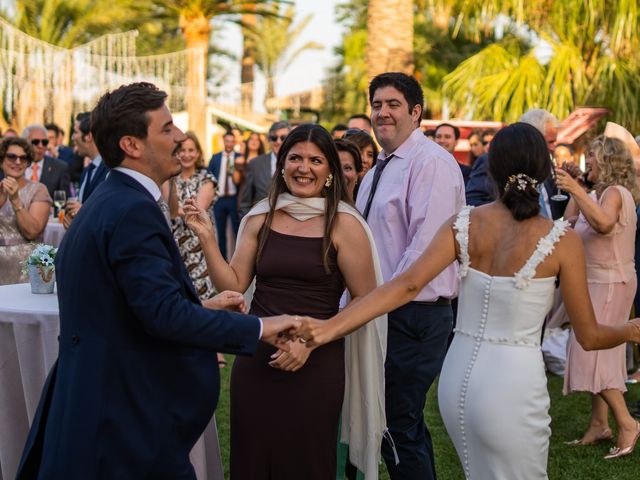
(42, 256)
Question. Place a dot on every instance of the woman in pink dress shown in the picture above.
(606, 222)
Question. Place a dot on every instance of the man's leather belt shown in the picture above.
(439, 302)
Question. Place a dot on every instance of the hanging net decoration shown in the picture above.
(40, 82)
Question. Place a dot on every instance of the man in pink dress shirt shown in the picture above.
(415, 187)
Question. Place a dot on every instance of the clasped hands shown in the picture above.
(294, 336)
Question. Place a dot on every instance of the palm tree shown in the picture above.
(390, 37)
(273, 36)
(195, 24)
(248, 61)
(593, 47)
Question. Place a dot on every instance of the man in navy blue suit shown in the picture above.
(224, 167)
(136, 380)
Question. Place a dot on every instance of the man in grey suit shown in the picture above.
(52, 172)
(261, 169)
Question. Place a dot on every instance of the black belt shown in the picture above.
(438, 302)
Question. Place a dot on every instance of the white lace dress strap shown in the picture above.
(461, 226)
(544, 248)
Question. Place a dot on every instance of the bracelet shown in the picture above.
(16, 210)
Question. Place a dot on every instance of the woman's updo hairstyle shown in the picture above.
(518, 163)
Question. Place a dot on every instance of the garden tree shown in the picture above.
(273, 37)
(390, 37)
(594, 59)
(248, 61)
(436, 53)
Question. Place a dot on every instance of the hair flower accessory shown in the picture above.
(521, 181)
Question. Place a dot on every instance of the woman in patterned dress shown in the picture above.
(193, 181)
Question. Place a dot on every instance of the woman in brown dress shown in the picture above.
(303, 246)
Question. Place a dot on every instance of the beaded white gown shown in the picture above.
(493, 388)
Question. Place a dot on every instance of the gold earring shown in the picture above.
(329, 181)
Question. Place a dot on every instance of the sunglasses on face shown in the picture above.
(12, 157)
(37, 141)
(275, 138)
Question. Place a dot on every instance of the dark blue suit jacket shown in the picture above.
(215, 162)
(136, 380)
(480, 189)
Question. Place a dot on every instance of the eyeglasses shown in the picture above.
(37, 141)
(355, 131)
(275, 138)
(12, 157)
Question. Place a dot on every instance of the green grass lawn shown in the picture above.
(570, 417)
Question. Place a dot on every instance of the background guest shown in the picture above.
(475, 146)
(338, 130)
(563, 153)
(226, 167)
(24, 209)
(253, 147)
(94, 173)
(368, 148)
(360, 121)
(57, 148)
(447, 137)
(193, 181)
(606, 222)
(351, 164)
(52, 172)
(261, 169)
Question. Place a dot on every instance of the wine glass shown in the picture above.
(59, 199)
(559, 196)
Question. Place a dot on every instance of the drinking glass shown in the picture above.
(59, 199)
(559, 196)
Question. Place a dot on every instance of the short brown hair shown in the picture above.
(20, 142)
(123, 112)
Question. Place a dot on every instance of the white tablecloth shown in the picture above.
(53, 233)
(29, 326)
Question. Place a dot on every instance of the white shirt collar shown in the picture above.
(97, 161)
(143, 180)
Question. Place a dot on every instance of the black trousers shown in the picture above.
(416, 346)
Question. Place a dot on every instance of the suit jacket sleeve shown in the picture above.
(245, 198)
(480, 189)
(214, 165)
(65, 179)
(143, 253)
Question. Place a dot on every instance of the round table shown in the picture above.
(29, 328)
(53, 232)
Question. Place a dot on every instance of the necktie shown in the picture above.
(164, 208)
(380, 164)
(229, 176)
(84, 187)
(34, 172)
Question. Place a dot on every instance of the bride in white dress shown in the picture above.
(493, 390)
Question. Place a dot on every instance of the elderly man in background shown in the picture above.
(52, 172)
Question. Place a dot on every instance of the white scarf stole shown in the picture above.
(363, 408)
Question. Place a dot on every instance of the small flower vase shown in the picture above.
(42, 279)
